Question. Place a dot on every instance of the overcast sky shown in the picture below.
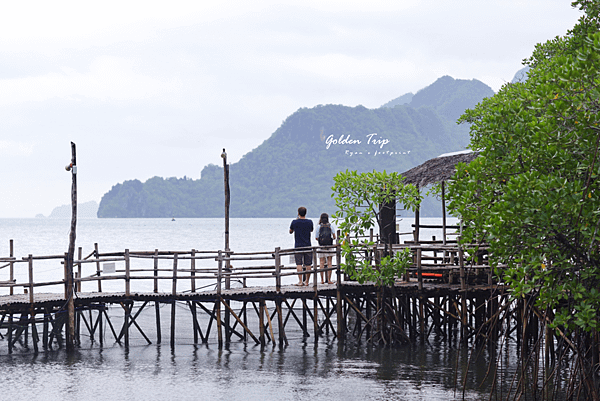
(148, 88)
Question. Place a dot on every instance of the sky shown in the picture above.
(155, 88)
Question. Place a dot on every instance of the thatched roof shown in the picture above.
(440, 169)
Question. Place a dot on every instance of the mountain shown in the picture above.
(404, 99)
(521, 75)
(296, 164)
(86, 210)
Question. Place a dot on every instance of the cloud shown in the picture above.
(16, 149)
(152, 88)
(108, 79)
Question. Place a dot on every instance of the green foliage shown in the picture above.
(358, 197)
(533, 193)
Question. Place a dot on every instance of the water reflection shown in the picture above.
(301, 370)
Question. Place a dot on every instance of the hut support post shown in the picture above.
(443, 213)
(417, 222)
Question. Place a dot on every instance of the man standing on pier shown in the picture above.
(301, 228)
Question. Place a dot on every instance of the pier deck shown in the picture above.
(456, 295)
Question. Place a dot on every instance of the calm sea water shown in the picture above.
(304, 370)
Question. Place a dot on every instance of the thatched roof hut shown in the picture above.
(440, 169)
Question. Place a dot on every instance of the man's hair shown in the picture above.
(302, 211)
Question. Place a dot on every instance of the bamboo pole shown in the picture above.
(72, 235)
(218, 303)
(417, 223)
(97, 266)
(30, 263)
(193, 274)
(11, 268)
(341, 331)
(463, 288)
(155, 259)
(127, 308)
(269, 322)
(174, 287)
(419, 269)
(316, 294)
(262, 321)
(237, 318)
(277, 270)
(227, 202)
(444, 213)
(174, 302)
(79, 257)
(157, 314)
(127, 274)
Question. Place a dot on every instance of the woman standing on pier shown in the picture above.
(325, 235)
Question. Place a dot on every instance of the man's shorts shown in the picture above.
(303, 259)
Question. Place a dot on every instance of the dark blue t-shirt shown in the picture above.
(302, 229)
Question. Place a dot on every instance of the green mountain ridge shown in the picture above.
(296, 164)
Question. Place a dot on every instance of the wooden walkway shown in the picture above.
(202, 281)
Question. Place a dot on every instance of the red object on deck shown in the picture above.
(431, 274)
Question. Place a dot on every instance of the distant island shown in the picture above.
(86, 210)
(296, 164)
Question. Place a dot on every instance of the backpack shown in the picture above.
(325, 237)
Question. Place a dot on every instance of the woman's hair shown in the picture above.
(324, 218)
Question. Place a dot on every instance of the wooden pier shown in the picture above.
(440, 295)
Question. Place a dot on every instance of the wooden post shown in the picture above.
(10, 333)
(157, 315)
(280, 325)
(261, 307)
(443, 213)
(30, 262)
(227, 201)
(79, 257)
(277, 270)
(419, 269)
(218, 302)
(11, 267)
(193, 268)
(127, 274)
(155, 270)
(316, 294)
(70, 301)
(463, 289)
(417, 223)
(341, 330)
(174, 287)
(174, 302)
(127, 306)
(66, 273)
(97, 266)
